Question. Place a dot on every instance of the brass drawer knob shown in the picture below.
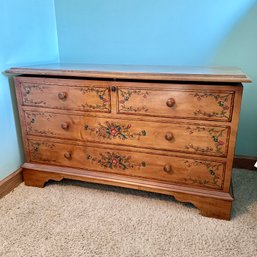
(170, 102)
(62, 95)
(167, 168)
(65, 125)
(67, 155)
(169, 136)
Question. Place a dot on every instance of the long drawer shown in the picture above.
(191, 103)
(181, 170)
(188, 138)
(78, 95)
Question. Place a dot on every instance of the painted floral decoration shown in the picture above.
(113, 130)
(125, 95)
(212, 168)
(115, 160)
(28, 90)
(31, 120)
(222, 101)
(103, 96)
(215, 134)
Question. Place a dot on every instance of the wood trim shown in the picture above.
(210, 203)
(233, 134)
(244, 162)
(52, 172)
(168, 73)
(10, 182)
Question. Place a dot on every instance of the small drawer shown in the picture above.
(188, 138)
(67, 95)
(179, 170)
(175, 103)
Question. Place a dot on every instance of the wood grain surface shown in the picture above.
(190, 137)
(172, 73)
(194, 172)
(210, 203)
(144, 132)
(10, 182)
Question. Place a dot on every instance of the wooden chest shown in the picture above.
(161, 129)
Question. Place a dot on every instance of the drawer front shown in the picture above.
(82, 98)
(199, 173)
(188, 104)
(189, 138)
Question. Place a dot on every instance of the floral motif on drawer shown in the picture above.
(217, 135)
(28, 100)
(214, 172)
(115, 160)
(113, 130)
(102, 96)
(31, 123)
(173, 100)
(223, 102)
(68, 97)
(126, 102)
(35, 153)
(194, 172)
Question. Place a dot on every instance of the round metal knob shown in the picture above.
(67, 155)
(169, 136)
(170, 102)
(65, 125)
(62, 95)
(113, 88)
(167, 168)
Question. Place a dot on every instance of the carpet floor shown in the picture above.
(69, 218)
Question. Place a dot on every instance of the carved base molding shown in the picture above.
(10, 182)
(210, 203)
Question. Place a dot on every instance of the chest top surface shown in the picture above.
(166, 73)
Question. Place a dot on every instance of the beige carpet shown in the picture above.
(64, 220)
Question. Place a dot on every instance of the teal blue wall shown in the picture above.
(239, 48)
(27, 36)
(169, 32)
(179, 32)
